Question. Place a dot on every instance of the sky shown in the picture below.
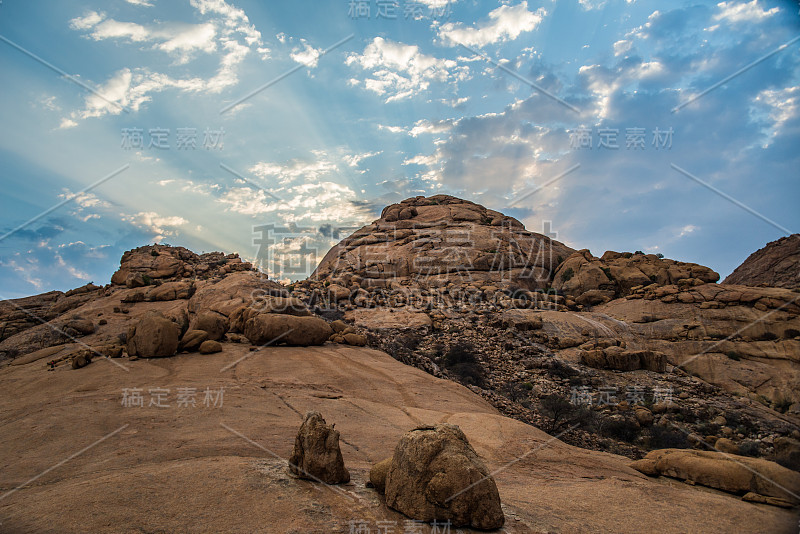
(274, 129)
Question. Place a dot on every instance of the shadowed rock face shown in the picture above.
(775, 265)
(435, 474)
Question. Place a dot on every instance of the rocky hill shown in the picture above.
(504, 332)
(775, 265)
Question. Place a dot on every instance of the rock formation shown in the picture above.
(436, 475)
(316, 454)
(751, 477)
(775, 265)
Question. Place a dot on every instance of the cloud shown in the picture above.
(227, 33)
(505, 23)
(401, 71)
(307, 55)
(140, 3)
(355, 159)
(158, 226)
(735, 12)
(622, 46)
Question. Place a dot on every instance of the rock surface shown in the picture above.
(166, 468)
(316, 454)
(436, 475)
(775, 265)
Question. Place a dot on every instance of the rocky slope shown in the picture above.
(775, 265)
(626, 353)
(219, 465)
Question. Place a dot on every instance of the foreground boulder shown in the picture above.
(377, 475)
(154, 336)
(316, 454)
(741, 475)
(436, 475)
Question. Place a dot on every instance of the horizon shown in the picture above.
(608, 125)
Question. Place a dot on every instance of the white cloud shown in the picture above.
(622, 46)
(227, 33)
(392, 129)
(425, 126)
(355, 159)
(782, 105)
(140, 3)
(589, 5)
(505, 23)
(307, 55)
(400, 71)
(159, 226)
(686, 230)
(742, 12)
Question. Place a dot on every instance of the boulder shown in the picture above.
(739, 474)
(212, 322)
(316, 454)
(436, 475)
(192, 340)
(522, 319)
(154, 336)
(210, 346)
(171, 291)
(357, 340)
(286, 329)
(787, 452)
(377, 475)
(81, 358)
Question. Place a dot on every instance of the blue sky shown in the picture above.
(492, 101)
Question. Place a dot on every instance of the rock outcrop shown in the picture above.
(775, 265)
(590, 280)
(316, 454)
(430, 242)
(732, 473)
(435, 474)
(154, 336)
(141, 266)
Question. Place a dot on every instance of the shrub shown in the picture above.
(767, 336)
(567, 274)
(660, 256)
(560, 369)
(790, 333)
(660, 437)
(154, 252)
(147, 280)
(639, 252)
(620, 428)
(782, 405)
(749, 448)
(461, 360)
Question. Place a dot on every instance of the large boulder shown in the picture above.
(731, 473)
(263, 328)
(192, 340)
(215, 324)
(436, 475)
(154, 336)
(316, 454)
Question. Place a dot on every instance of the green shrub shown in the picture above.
(567, 274)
